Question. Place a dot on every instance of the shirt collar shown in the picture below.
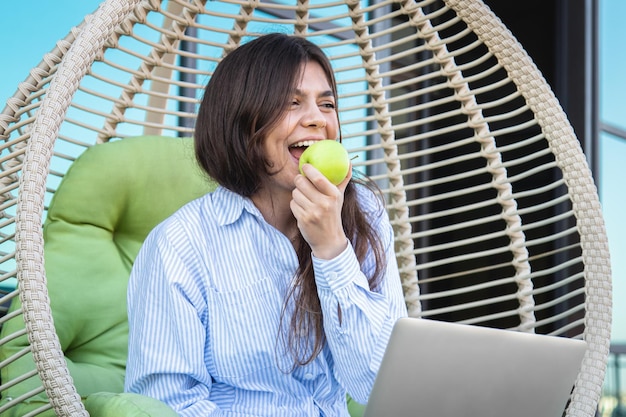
(229, 206)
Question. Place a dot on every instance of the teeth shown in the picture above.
(304, 143)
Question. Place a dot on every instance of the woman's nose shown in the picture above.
(314, 117)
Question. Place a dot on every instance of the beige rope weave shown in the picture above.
(496, 216)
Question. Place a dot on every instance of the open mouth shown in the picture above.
(298, 148)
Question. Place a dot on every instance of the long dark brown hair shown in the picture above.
(245, 98)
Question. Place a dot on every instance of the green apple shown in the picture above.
(329, 157)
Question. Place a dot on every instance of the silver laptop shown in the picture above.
(438, 369)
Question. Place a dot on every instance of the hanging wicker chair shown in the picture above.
(496, 215)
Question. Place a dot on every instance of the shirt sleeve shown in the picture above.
(162, 312)
(357, 320)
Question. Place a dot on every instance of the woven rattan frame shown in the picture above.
(409, 58)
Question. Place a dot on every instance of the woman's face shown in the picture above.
(311, 116)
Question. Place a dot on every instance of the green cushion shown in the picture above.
(107, 203)
(107, 404)
(355, 409)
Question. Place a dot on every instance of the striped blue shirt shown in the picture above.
(204, 305)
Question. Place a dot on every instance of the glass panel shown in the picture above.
(612, 153)
(612, 34)
(612, 157)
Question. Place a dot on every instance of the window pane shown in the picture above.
(611, 188)
(612, 33)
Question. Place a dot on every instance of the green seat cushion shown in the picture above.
(355, 409)
(107, 404)
(109, 200)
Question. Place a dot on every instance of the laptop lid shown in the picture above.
(438, 369)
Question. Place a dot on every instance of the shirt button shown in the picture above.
(308, 376)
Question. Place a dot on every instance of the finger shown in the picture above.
(320, 181)
(299, 197)
(311, 173)
(304, 187)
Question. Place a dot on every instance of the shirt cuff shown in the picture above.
(339, 272)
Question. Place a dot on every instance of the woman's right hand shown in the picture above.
(317, 205)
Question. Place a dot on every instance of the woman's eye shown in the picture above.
(329, 105)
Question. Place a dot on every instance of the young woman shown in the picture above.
(275, 294)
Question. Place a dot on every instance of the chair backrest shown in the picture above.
(108, 201)
(496, 215)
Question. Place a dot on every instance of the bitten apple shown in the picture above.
(329, 157)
